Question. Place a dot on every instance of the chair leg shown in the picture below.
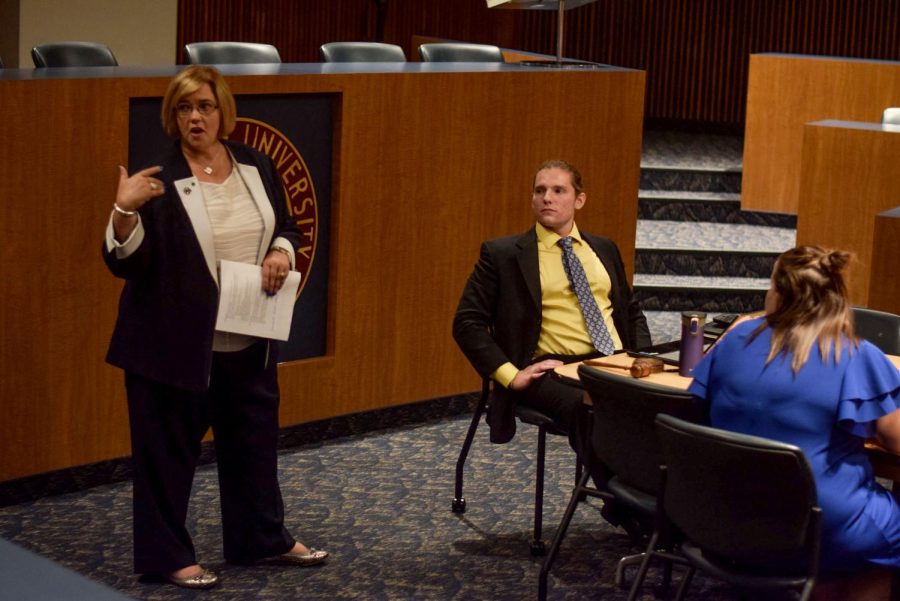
(667, 577)
(577, 494)
(459, 502)
(625, 563)
(537, 543)
(685, 583)
(642, 571)
(579, 468)
(810, 584)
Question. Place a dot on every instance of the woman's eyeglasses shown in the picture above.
(185, 109)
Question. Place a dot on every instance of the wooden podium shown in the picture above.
(848, 176)
(429, 161)
(784, 92)
(884, 283)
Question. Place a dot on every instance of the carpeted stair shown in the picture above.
(696, 249)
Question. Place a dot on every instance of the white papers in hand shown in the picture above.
(245, 308)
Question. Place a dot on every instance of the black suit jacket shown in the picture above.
(498, 319)
(167, 311)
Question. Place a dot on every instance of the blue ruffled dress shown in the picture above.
(826, 409)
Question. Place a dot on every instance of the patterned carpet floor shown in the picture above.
(380, 503)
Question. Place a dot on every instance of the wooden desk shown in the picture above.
(848, 175)
(884, 284)
(785, 91)
(885, 463)
(433, 157)
(569, 372)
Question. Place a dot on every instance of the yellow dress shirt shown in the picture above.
(563, 331)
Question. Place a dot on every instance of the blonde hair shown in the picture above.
(186, 83)
(812, 305)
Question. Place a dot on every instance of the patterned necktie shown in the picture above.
(596, 327)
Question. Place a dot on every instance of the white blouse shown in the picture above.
(237, 227)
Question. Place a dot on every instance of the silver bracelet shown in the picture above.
(122, 211)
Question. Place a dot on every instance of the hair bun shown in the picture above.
(835, 260)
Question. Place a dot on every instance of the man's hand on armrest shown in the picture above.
(531, 373)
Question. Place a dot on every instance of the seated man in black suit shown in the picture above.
(543, 298)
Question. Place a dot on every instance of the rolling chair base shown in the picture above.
(664, 590)
(625, 563)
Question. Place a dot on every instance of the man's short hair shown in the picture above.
(577, 183)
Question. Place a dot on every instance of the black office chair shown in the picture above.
(544, 425)
(624, 439)
(744, 505)
(230, 53)
(460, 53)
(73, 54)
(361, 52)
(878, 327)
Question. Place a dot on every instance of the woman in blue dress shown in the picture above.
(800, 375)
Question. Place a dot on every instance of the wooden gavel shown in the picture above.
(641, 367)
(644, 366)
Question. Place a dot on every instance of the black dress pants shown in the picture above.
(167, 427)
(565, 405)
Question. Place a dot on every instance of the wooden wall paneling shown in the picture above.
(884, 285)
(462, 20)
(427, 166)
(461, 189)
(848, 176)
(786, 91)
(62, 405)
(297, 29)
(695, 53)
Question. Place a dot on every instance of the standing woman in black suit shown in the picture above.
(206, 199)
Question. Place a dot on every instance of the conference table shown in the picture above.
(885, 463)
(620, 363)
